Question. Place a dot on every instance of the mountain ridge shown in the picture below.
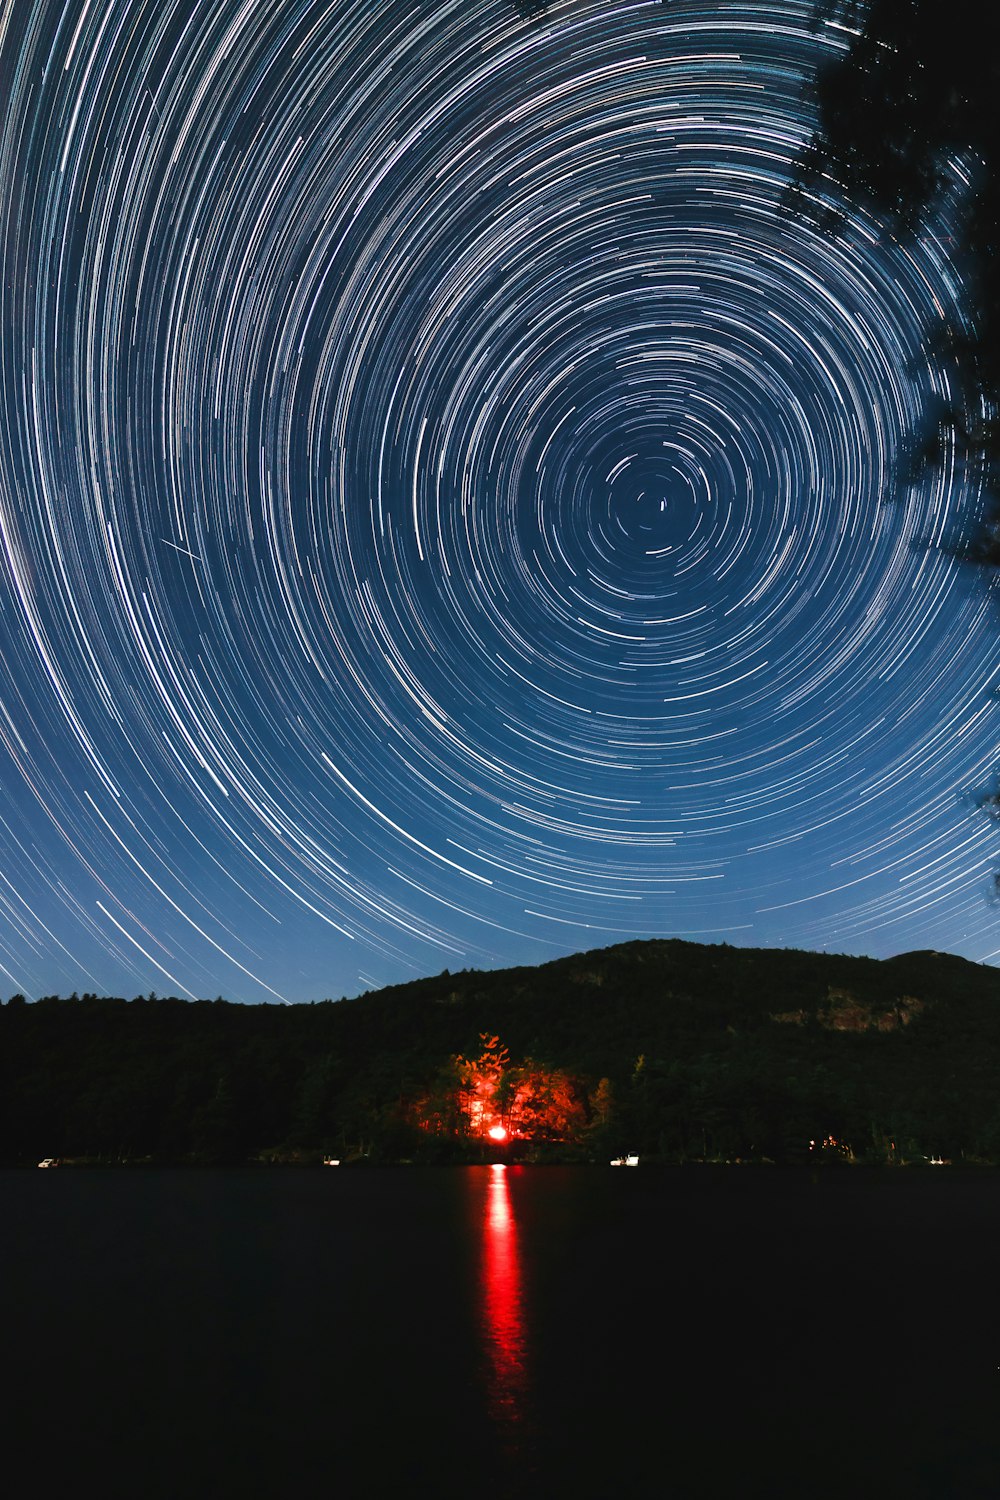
(686, 1051)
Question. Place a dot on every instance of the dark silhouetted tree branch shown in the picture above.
(910, 128)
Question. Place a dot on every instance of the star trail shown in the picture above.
(450, 508)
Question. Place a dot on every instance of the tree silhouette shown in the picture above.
(910, 128)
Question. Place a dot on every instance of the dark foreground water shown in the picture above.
(488, 1333)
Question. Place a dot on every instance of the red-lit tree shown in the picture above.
(476, 1097)
(545, 1104)
(481, 1085)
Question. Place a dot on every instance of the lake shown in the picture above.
(503, 1331)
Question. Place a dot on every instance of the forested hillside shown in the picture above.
(675, 1050)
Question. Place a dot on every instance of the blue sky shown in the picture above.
(451, 514)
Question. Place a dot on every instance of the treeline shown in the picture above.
(677, 1051)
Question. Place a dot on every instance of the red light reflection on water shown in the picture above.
(502, 1310)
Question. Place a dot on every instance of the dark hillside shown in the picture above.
(675, 1049)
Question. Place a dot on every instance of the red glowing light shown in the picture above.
(502, 1311)
(497, 1133)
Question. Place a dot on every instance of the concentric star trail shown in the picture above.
(450, 509)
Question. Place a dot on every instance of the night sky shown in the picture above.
(449, 510)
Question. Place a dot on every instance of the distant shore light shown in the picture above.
(497, 1133)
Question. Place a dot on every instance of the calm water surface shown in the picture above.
(491, 1331)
